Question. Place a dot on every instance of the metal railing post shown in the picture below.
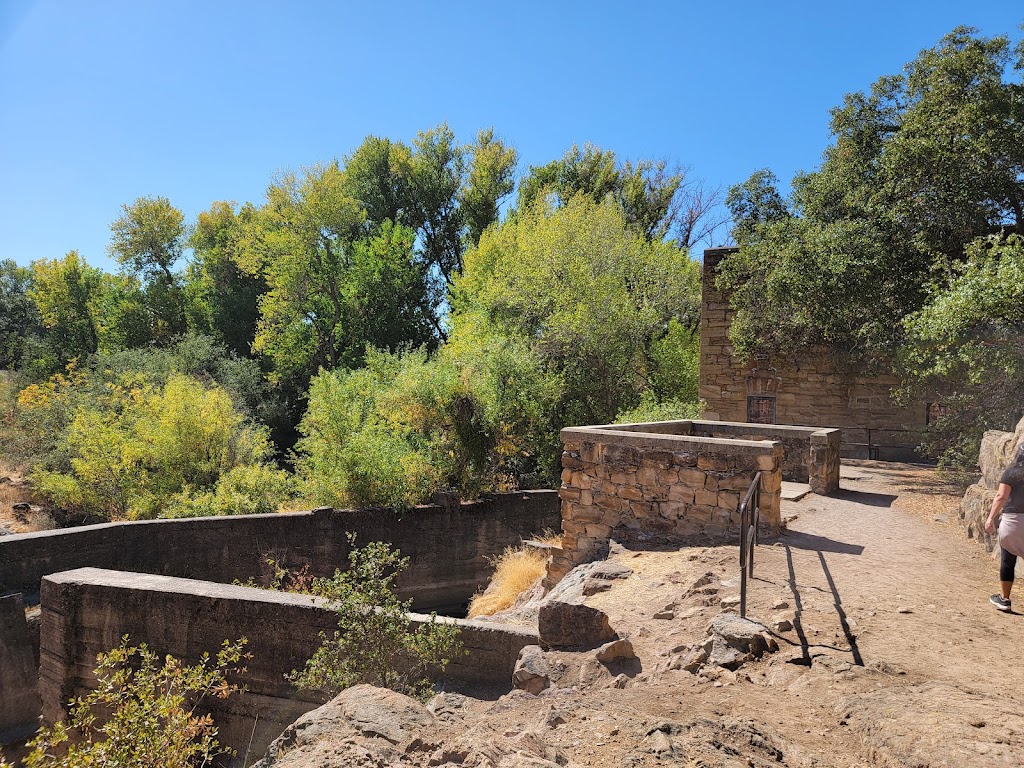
(750, 512)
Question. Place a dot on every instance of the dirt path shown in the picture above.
(895, 658)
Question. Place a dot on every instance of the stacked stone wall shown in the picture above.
(628, 484)
(810, 389)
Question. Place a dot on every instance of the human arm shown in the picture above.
(1002, 494)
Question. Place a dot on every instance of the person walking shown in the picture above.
(1008, 506)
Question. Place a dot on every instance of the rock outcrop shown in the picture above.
(997, 449)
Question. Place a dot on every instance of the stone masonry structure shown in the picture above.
(808, 390)
(19, 702)
(641, 480)
(89, 610)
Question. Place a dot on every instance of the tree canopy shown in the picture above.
(922, 164)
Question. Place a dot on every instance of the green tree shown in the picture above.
(966, 349)
(375, 642)
(587, 292)
(332, 288)
(657, 201)
(65, 292)
(923, 164)
(19, 317)
(147, 240)
(447, 193)
(142, 712)
(223, 298)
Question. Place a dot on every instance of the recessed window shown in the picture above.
(760, 409)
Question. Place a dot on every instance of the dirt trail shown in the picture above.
(896, 657)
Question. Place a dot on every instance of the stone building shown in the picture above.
(809, 390)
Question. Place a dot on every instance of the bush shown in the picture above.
(142, 713)
(515, 571)
(374, 642)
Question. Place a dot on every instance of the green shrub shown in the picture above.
(142, 713)
(374, 642)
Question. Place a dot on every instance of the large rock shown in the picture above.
(563, 624)
(531, 673)
(997, 451)
(362, 725)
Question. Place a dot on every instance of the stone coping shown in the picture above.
(666, 441)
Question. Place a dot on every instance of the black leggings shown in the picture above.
(1007, 562)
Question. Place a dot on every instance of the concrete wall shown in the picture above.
(19, 702)
(449, 547)
(88, 610)
(651, 482)
(808, 390)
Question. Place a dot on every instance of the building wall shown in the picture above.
(809, 391)
(449, 546)
(89, 610)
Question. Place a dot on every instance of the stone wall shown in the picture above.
(633, 484)
(808, 390)
(88, 610)
(19, 702)
(997, 450)
(449, 546)
(810, 454)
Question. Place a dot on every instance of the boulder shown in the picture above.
(361, 725)
(531, 672)
(563, 624)
(616, 649)
(997, 450)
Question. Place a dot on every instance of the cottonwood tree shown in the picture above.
(658, 200)
(147, 240)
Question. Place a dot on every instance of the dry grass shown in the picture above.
(515, 571)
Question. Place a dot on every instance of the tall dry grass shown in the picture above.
(515, 571)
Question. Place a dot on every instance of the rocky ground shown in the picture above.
(876, 647)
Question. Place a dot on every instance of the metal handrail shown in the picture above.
(750, 512)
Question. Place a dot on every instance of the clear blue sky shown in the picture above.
(102, 102)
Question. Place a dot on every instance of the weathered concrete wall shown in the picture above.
(626, 482)
(809, 390)
(449, 547)
(997, 450)
(19, 701)
(89, 610)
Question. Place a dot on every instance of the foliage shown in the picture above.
(649, 409)
(331, 290)
(221, 297)
(375, 642)
(379, 435)
(408, 425)
(923, 164)
(586, 293)
(125, 447)
(142, 712)
(657, 201)
(18, 315)
(966, 349)
(65, 293)
(147, 241)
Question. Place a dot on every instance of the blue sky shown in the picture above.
(103, 102)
